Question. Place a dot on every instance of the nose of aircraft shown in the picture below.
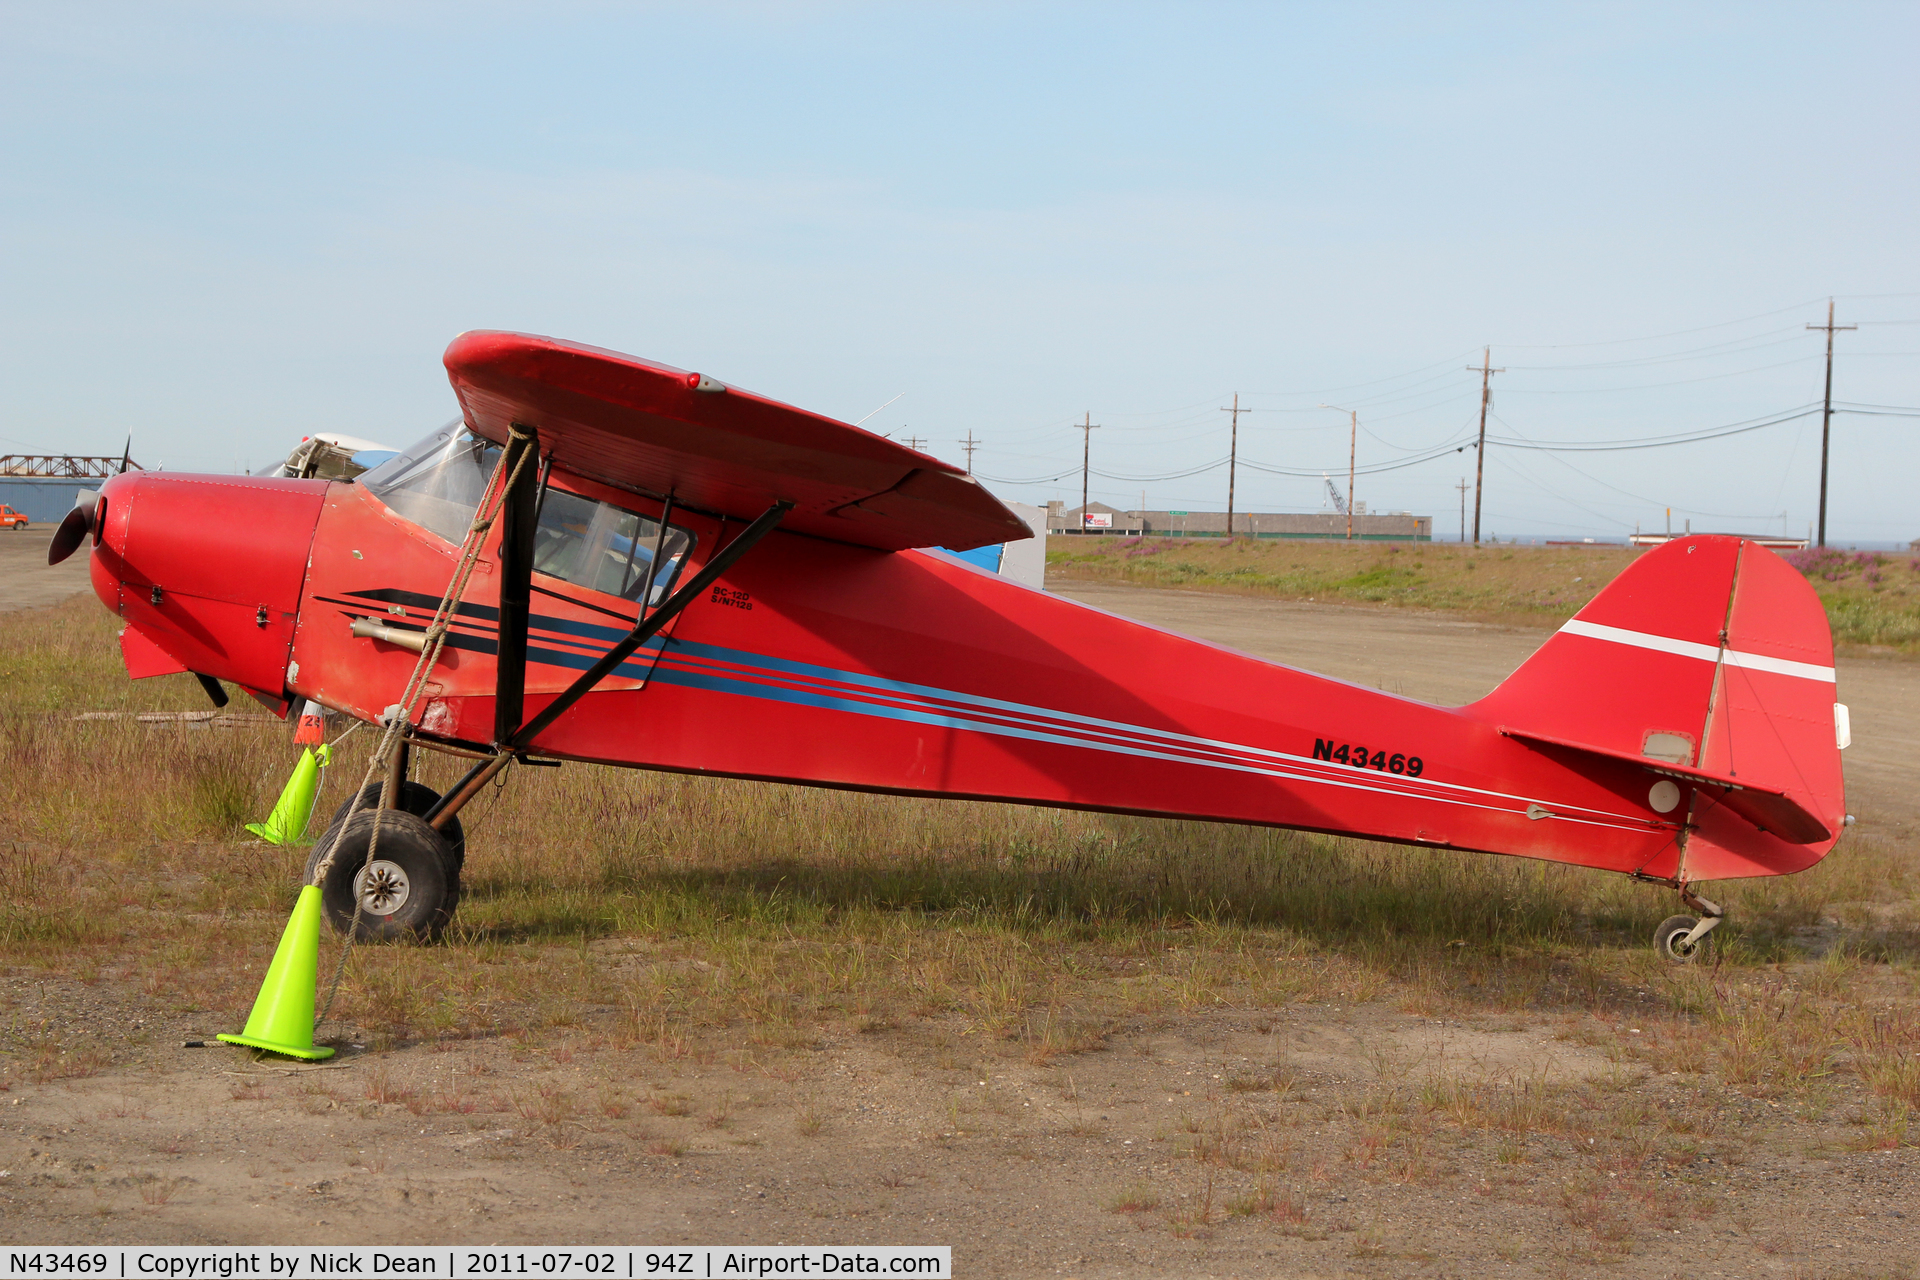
(207, 568)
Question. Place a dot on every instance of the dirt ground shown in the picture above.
(1082, 1165)
(27, 581)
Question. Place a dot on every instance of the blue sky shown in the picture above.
(225, 226)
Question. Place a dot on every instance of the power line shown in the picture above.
(1432, 452)
(1679, 333)
(1534, 480)
(1351, 386)
(1658, 442)
(1377, 438)
(1204, 467)
(1654, 386)
(1373, 469)
(1638, 497)
(1425, 390)
(1826, 413)
(1731, 347)
(1027, 480)
(1883, 413)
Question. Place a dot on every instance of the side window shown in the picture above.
(603, 548)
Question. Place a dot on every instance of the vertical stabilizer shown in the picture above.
(1710, 662)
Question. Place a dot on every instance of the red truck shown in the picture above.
(11, 519)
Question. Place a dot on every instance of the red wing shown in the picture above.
(639, 425)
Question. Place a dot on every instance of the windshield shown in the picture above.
(438, 483)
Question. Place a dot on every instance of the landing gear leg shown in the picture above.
(1683, 939)
(397, 770)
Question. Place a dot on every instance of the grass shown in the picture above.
(781, 907)
(696, 919)
(1872, 599)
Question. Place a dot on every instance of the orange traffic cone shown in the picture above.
(311, 731)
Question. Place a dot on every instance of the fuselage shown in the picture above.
(828, 664)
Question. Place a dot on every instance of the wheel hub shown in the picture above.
(383, 887)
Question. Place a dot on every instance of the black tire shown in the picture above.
(1667, 937)
(413, 888)
(415, 798)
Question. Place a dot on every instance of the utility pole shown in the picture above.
(1087, 428)
(969, 444)
(1233, 456)
(1353, 446)
(1462, 486)
(913, 442)
(1826, 413)
(1486, 372)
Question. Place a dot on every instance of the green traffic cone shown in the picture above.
(282, 1017)
(292, 814)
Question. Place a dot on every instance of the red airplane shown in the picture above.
(689, 577)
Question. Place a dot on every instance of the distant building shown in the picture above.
(1096, 517)
(1659, 539)
(44, 499)
(1396, 526)
(45, 486)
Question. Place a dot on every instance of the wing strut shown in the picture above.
(518, 511)
(643, 631)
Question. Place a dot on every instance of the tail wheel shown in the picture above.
(415, 798)
(1667, 941)
(408, 891)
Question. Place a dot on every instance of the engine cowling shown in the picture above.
(209, 568)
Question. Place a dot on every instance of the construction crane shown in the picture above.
(1333, 492)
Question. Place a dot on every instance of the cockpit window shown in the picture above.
(603, 548)
(438, 483)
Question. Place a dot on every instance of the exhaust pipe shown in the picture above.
(370, 629)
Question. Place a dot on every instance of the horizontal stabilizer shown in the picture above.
(648, 427)
(1768, 808)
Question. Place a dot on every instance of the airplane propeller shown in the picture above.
(75, 528)
(80, 521)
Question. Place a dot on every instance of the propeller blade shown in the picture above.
(71, 533)
(126, 457)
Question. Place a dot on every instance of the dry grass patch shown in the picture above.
(1871, 598)
(1527, 584)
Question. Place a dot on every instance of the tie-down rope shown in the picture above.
(399, 717)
